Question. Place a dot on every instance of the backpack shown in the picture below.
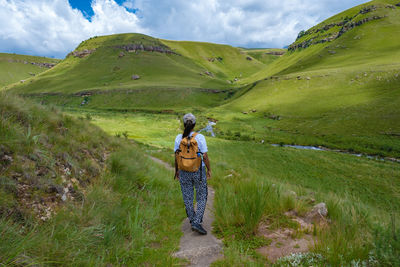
(189, 156)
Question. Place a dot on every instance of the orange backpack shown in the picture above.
(189, 158)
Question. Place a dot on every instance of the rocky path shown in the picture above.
(199, 250)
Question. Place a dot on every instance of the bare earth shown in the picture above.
(285, 241)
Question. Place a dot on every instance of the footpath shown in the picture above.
(199, 250)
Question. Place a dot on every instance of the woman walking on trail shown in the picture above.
(190, 161)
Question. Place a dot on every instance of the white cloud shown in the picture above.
(237, 22)
(52, 27)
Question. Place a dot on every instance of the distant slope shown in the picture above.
(128, 71)
(345, 90)
(14, 68)
(365, 36)
(265, 55)
(226, 62)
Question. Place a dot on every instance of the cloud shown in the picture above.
(53, 27)
(237, 22)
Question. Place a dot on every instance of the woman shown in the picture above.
(197, 178)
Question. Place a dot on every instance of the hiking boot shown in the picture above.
(198, 228)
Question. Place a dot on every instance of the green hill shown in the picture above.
(131, 71)
(17, 68)
(341, 93)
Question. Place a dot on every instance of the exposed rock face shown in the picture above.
(135, 77)
(368, 9)
(275, 53)
(149, 48)
(39, 64)
(44, 65)
(347, 24)
(82, 53)
(351, 25)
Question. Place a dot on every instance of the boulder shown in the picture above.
(249, 58)
(209, 73)
(318, 213)
(122, 54)
(135, 77)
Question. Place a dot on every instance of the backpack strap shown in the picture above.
(201, 157)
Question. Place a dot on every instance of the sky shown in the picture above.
(54, 28)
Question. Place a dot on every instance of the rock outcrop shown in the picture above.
(135, 77)
(346, 25)
(39, 64)
(81, 53)
(149, 48)
(275, 53)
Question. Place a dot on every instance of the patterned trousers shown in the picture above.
(188, 180)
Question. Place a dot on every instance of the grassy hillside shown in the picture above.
(71, 195)
(17, 68)
(366, 38)
(342, 92)
(169, 74)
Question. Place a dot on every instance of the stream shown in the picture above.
(209, 129)
(319, 148)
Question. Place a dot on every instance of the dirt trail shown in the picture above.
(199, 250)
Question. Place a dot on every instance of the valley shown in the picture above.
(117, 99)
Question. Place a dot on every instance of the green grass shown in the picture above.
(252, 182)
(117, 211)
(13, 68)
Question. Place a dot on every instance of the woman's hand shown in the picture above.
(208, 174)
(176, 176)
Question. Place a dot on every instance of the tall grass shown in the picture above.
(128, 211)
(130, 208)
(241, 204)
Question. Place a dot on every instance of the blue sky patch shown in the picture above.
(85, 6)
